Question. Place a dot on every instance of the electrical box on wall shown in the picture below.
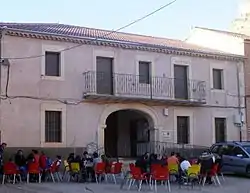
(238, 119)
(165, 112)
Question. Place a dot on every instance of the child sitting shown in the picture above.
(10, 165)
(58, 161)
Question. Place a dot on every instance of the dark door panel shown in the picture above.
(180, 82)
(104, 75)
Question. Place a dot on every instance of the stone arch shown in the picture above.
(117, 107)
(109, 109)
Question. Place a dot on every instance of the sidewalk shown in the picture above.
(232, 185)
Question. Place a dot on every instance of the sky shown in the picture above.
(174, 21)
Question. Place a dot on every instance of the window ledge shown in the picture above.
(53, 145)
(59, 78)
(218, 90)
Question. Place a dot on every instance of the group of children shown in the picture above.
(206, 160)
(44, 162)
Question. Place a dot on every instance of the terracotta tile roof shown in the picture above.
(127, 38)
(239, 35)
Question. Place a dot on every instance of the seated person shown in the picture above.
(173, 159)
(11, 164)
(20, 160)
(58, 161)
(184, 165)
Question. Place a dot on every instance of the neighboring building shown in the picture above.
(235, 41)
(242, 23)
(121, 91)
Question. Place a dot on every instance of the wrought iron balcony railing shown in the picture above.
(135, 86)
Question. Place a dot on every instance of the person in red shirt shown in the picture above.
(36, 156)
(43, 164)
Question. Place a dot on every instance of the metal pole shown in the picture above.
(239, 99)
(1, 49)
(1, 44)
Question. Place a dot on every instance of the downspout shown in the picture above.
(239, 98)
(1, 61)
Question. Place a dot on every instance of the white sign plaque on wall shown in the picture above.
(166, 135)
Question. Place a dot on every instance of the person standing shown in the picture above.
(2, 148)
(207, 160)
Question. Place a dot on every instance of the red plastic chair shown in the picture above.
(155, 167)
(137, 175)
(131, 165)
(116, 169)
(33, 168)
(100, 170)
(213, 174)
(10, 169)
(161, 174)
(54, 171)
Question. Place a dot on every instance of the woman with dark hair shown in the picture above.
(20, 160)
(36, 156)
(30, 158)
(71, 158)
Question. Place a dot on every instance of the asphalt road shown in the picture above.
(231, 185)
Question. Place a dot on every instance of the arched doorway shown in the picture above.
(126, 131)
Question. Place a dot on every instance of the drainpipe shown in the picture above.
(239, 98)
(1, 61)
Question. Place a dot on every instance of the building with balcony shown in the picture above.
(67, 86)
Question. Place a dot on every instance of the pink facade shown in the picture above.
(22, 120)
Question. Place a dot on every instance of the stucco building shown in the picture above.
(70, 86)
(234, 41)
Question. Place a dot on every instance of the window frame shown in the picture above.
(188, 130)
(58, 54)
(53, 107)
(225, 129)
(53, 48)
(243, 152)
(54, 129)
(217, 148)
(221, 85)
(224, 151)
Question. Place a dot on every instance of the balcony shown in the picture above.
(112, 87)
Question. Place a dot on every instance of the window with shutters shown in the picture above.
(144, 72)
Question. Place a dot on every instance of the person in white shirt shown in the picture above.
(185, 164)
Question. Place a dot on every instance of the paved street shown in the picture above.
(232, 185)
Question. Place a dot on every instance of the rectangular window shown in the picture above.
(220, 129)
(52, 64)
(144, 72)
(53, 126)
(218, 79)
(182, 130)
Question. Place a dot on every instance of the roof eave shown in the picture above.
(131, 45)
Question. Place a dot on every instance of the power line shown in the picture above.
(111, 32)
